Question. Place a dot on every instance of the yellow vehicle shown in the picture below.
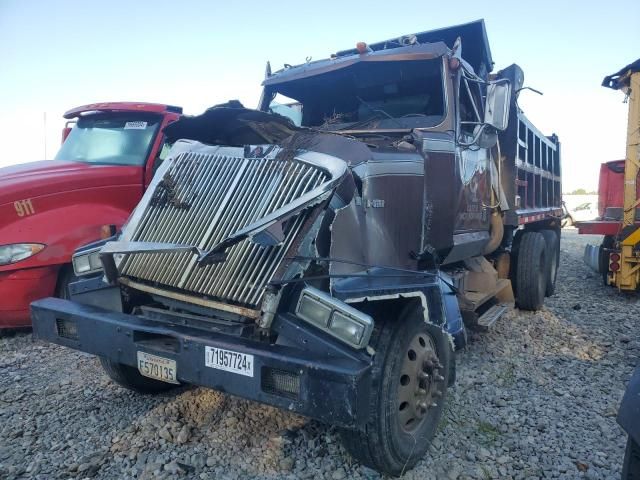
(618, 258)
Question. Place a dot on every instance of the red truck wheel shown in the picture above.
(65, 277)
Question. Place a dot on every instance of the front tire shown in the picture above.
(410, 375)
(129, 378)
(531, 278)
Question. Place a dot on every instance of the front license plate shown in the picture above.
(229, 361)
(159, 368)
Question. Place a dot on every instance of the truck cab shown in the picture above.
(49, 208)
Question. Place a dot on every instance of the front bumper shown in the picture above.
(18, 288)
(332, 389)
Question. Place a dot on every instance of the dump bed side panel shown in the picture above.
(531, 171)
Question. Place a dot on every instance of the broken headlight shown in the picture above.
(334, 317)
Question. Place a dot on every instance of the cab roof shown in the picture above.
(122, 107)
(429, 44)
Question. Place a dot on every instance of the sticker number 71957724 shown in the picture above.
(235, 362)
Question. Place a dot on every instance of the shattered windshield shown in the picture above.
(381, 94)
(114, 139)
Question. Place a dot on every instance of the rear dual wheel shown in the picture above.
(531, 278)
(409, 385)
(552, 241)
(536, 271)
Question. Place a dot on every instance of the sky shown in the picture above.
(58, 55)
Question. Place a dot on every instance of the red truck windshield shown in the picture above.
(113, 139)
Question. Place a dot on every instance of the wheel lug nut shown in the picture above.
(421, 391)
(423, 375)
(422, 405)
(437, 393)
(439, 378)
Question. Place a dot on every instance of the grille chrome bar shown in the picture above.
(202, 199)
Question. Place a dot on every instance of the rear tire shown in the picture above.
(129, 377)
(552, 254)
(631, 465)
(404, 409)
(531, 278)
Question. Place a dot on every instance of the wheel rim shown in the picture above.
(420, 384)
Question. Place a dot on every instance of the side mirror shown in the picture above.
(67, 130)
(496, 111)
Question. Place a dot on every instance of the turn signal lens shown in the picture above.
(614, 257)
(107, 231)
(614, 267)
(18, 251)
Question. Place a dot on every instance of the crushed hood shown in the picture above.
(49, 177)
(232, 124)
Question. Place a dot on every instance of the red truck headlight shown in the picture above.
(18, 251)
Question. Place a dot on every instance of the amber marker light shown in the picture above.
(362, 47)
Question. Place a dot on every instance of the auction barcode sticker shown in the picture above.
(235, 362)
(135, 125)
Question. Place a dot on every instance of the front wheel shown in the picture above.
(409, 385)
(129, 377)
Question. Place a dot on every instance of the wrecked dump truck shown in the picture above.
(330, 268)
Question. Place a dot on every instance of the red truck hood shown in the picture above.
(46, 177)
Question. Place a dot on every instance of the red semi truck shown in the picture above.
(49, 208)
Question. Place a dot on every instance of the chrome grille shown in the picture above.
(204, 198)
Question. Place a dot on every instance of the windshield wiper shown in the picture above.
(378, 111)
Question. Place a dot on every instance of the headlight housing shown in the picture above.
(18, 251)
(87, 262)
(335, 317)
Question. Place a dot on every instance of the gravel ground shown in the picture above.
(536, 398)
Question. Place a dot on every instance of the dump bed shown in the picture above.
(531, 171)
